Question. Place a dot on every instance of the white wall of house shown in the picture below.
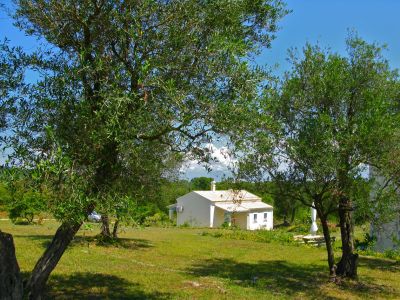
(196, 210)
(260, 220)
(219, 217)
(386, 234)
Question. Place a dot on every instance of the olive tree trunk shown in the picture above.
(115, 229)
(11, 287)
(293, 215)
(50, 258)
(105, 226)
(328, 243)
(347, 266)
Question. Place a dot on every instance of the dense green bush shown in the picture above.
(201, 183)
(4, 194)
(20, 196)
(141, 212)
(26, 206)
(367, 243)
(299, 229)
(158, 219)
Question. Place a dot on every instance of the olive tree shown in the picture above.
(119, 78)
(331, 116)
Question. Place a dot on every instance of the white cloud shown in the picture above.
(221, 164)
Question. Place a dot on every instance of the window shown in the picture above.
(265, 217)
(255, 218)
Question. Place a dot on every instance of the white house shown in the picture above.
(214, 208)
(387, 235)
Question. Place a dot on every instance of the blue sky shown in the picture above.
(323, 21)
(327, 22)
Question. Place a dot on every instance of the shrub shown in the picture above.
(141, 212)
(26, 207)
(185, 225)
(367, 244)
(299, 229)
(158, 219)
(4, 194)
(392, 254)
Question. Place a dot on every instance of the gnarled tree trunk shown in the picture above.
(293, 215)
(115, 229)
(10, 278)
(105, 226)
(50, 258)
(347, 266)
(328, 243)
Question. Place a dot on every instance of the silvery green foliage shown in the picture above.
(123, 86)
(330, 117)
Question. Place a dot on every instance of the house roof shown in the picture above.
(228, 195)
(243, 206)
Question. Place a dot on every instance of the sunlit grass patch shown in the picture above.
(177, 263)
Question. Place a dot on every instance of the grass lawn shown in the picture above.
(176, 263)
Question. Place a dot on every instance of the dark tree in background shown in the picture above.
(201, 183)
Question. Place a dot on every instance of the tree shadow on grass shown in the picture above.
(285, 278)
(97, 286)
(133, 244)
(379, 264)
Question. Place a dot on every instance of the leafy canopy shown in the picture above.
(122, 86)
(332, 115)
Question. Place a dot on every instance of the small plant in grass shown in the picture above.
(40, 219)
(184, 225)
(395, 252)
(87, 227)
(392, 254)
(227, 225)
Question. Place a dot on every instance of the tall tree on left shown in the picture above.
(11, 73)
(117, 78)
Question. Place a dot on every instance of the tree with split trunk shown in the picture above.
(115, 79)
(146, 177)
(331, 116)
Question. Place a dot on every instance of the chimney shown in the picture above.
(213, 185)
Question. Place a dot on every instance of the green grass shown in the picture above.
(180, 263)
